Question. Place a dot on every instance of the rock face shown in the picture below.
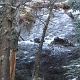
(62, 5)
(50, 64)
(56, 51)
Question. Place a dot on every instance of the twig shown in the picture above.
(21, 38)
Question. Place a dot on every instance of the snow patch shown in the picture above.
(0, 6)
(25, 42)
(74, 12)
(45, 16)
(32, 57)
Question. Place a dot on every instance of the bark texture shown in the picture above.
(5, 45)
(12, 64)
(8, 41)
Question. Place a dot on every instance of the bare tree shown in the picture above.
(38, 56)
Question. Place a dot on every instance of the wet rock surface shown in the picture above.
(57, 50)
(50, 64)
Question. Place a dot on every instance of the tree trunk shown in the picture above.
(14, 38)
(0, 46)
(38, 56)
(5, 46)
(8, 42)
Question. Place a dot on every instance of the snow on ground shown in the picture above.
(74, 12)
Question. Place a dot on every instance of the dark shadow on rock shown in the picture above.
(60, 41)
(37, 40)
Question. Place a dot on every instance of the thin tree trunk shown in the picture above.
(38, 56)
(0, 49)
